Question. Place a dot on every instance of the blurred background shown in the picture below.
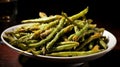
(104, 11)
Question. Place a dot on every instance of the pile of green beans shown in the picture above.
(59, 35)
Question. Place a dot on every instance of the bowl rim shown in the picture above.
(111, 44)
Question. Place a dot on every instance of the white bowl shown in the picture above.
(77, 59)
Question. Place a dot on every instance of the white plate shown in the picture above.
(111, 44)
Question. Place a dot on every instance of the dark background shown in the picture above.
(104, 12)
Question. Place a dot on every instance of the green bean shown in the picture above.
(31, 49)
(21, 46)
(79, 24)
(44, 27)
(69, 46)
(86, 33)
(68, 42)
(80, 14)
(71, 53)
(18, 35)
(42, 14)
(50, 36)
(15, 42)
(28, 27)
(70, 37)
(9, 37)
(76, 29)
(58, 35)
(31, 41)
(25, 38)
(92, 26)
(76, 37)
(36, 52)
(39, 52)
(36, 34)
(45, 33)
(91, 45)
(102, 44)
(42, 20)
(100, 30)
(52, 24)
(89, 20)
(91, 38)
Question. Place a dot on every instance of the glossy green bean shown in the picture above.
(46, 33)
(103, 44)
(52, 24)
(58, 35)
(91, 38)
(65, 47)
(68, 42)
(71, 53)
(42, 20)
(78, 34)
(50, 36)
(42, 14)
(80, 14)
